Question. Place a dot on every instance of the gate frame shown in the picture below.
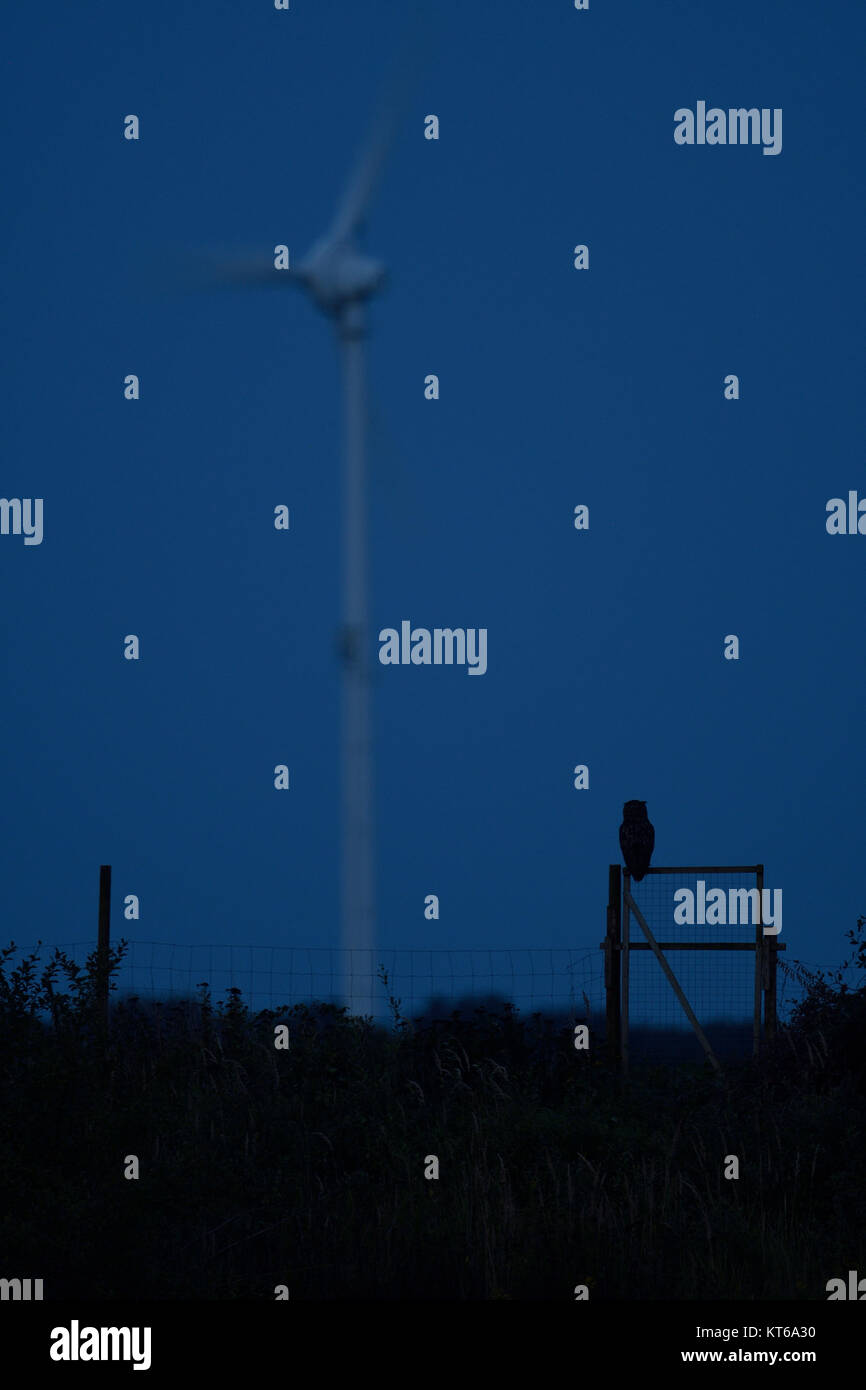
(618, 946)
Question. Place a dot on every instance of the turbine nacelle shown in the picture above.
(337, 274)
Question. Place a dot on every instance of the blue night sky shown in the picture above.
(558, 387)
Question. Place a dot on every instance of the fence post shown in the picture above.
(770, 995)
(612, 960)
(760, 961)
(625, 972)
(102, 943)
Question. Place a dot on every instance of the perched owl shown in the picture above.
(636, 838)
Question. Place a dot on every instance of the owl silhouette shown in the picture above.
(636, 838)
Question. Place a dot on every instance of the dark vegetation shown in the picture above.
(262, 1167)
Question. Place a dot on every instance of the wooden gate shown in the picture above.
(618, 946)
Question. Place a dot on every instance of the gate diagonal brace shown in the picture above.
(674, 982)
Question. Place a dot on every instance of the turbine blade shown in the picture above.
(365, 177)
(208, 270)
(250, 270)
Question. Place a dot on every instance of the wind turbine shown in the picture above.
(340, 278)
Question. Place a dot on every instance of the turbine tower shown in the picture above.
(340, 278)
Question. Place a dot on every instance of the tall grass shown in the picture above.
(306, 1167)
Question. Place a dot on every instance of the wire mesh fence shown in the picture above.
(549, 980)
(719, 984)
(554, 981)
(705, 922)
